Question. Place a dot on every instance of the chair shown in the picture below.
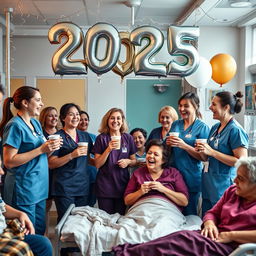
(248, 249)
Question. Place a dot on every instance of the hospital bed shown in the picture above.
(248, 249)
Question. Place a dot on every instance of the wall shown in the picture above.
(32, 58)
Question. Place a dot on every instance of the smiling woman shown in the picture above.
(155, 180)
(114, 151)
(69, 164)
(25, 155)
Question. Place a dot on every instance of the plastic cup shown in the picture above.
(174, 134)
(118, 139)
(201, 140)
(54, 137)
(147, 182)
(83, 144)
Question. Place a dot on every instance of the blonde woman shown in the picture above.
(112, 159)
(166, 116)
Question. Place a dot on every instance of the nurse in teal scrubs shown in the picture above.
(25, 155)
(227, 142)
(184, 156)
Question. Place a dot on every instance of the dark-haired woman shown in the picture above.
(24, 155)
(70, 163)
(155, 180)
(184, 156)
(227, 142)
(139, 136)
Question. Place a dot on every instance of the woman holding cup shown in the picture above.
(166, 116)
(25, 155)
(114, 151)
(69, 164)
(227, 142)
(182, 138)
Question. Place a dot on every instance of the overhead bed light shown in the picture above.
(240, 3)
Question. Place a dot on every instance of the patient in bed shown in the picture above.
(155, 180)
(155, 195)
(232, 221)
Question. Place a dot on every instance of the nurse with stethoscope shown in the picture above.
(184, 157)
(227, 142)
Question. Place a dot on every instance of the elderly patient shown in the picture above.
(154, 180)
(232, 221)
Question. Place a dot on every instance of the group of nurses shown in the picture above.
(25, 152)
(184, 157)
(227, 142)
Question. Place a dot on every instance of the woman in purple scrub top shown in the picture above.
(112, 158)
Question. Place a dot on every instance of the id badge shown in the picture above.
(124, 149)
(188, 136)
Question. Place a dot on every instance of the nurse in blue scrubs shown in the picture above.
(184, 156)
(69, 164)
(227, 142)
(166, 116)
(25, 155)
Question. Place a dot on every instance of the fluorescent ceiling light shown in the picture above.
(240, 3)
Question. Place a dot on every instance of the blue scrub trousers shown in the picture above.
(40, 245)
(63, 202)
(36, 213)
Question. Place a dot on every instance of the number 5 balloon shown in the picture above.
(61, 60)
(177, 47)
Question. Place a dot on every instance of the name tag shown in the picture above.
(124, 149)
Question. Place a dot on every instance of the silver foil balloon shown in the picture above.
(93, 35)
(62, 64)
(178, 47)
(143, 64)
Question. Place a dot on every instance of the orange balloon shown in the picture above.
(223, 68)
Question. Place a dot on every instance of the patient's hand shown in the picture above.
(210, 230)
(145, 188)
(156, 185)
(224, 237)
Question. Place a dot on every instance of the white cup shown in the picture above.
(83, 144)
(174, 134)
(201, 140)
(54, 137)
(118, 139)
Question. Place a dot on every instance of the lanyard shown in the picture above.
(216, 136)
